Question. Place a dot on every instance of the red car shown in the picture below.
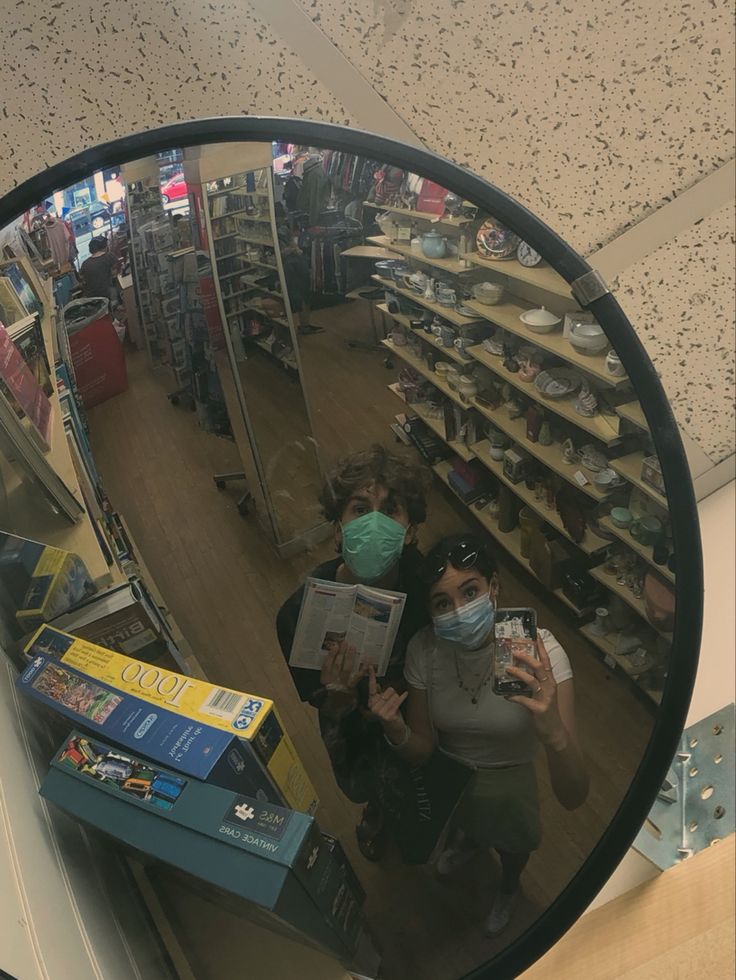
(174, 188)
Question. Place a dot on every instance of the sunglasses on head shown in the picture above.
(461, 556)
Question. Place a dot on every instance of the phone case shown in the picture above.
(515, 631)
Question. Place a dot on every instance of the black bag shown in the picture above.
(428, 797)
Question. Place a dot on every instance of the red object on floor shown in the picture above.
(99, 361)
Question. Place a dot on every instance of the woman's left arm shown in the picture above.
(552, 706)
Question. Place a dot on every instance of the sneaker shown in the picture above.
(500, 915)
(308, 328)
(454, 858)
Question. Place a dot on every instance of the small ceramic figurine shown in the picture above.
(568, 452)
(509, 361)
(429, 293)
(586, 404)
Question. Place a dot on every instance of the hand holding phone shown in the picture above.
(515, 632)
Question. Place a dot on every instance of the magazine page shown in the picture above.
(324, 621)
(374, 624)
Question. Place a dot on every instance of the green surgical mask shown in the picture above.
(372, 544)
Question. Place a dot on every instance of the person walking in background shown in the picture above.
(98, 271)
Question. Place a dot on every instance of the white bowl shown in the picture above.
(541, 320)
(488, 293)
(588, 338)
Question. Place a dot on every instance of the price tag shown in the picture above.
(609, 661)
(580, 478)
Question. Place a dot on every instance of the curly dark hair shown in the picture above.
(399, 474)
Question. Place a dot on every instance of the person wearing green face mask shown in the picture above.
(376, 501)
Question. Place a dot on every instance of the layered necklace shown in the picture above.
(474, 692)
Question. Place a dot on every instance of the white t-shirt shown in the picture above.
(492, 733)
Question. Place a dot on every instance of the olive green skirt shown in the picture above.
(500, 809)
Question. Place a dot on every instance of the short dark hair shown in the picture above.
(396, 472)
(97, 245)
(485, 564)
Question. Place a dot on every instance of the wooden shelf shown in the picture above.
(428, 338)
(421, 368)
(591, 542)
(420, 215)
(228, 214)
(229, 255)
(261, 218)
(550, 456)
(291, 365)
(629, 467)
(436, 425)
(608, 649)
(564, 407)
(542, 277)
(446, 312)
(609, 581)
(219, 238)
(254, 309)
(256, 241)
(262, 289)
(510, 540)
(507, 315)
(632, 412)
(228, 190)
(644, 551)
(262, 265)
(229, 275)
(452, 266)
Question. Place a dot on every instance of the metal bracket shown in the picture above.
(589, 287)
(695, 807)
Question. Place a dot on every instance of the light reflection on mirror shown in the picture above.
(372, 365)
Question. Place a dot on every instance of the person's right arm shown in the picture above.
(413, 739)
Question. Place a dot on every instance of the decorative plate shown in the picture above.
(557, 382)
(496, 242)
(466, 311)
(527, 256)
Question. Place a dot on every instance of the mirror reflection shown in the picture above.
(441, 541)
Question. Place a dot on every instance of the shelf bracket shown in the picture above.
(695, 805)
(589, 287)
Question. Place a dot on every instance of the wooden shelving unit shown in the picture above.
(600, 575)
(427, 338)
(564, 407)
(446, 312)
(541, 277)
(644, 551)
(453, 267)
(510, 540)
(421, 368)
(632, 412)
(436, 425)
(616, 660)
(629, 467)
(420, 215)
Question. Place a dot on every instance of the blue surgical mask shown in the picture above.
(470, 625)
(372, 544)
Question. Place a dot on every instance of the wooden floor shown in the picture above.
(224, 583)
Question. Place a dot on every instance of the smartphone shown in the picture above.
(515, 631)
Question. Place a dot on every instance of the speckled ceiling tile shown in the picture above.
(674, 298)
(591, 113)
(83, 73)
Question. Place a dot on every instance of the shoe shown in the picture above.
(310, 328)
(454, 858)
(500, 915)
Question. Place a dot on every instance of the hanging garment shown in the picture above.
(315, 189)
(58, 239)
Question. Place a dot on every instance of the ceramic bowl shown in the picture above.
(621, 517)
(605, 478)
(556, 382)
(541, 320)
(588, 338)
(442, 367)
(488, 293)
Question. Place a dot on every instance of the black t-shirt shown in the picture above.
(96, 274)
(414, 617)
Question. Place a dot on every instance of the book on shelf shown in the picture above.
(333, 613)
(253, 720)
(127, 620)
(181, 743)
(38, 582)
(23, 390)
(267, 854)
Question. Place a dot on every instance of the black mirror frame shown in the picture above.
(637, 802)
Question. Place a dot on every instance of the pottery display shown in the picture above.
(434, 245)
(557, 382)
(488, 293)
(540, 320)
(588, 338)
(467, 387)
(442, 367)
(621, 517)
(614, 366)
(586, 403)
(452, 376)
(496, 242)
(527, 256)
(605, 478)
(646, 529)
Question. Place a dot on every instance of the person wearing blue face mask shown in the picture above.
(375, 500)
(451, 705)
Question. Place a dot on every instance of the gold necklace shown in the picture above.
(473, 692)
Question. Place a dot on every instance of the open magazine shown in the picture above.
(367, 619)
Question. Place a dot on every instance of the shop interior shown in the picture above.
(274, 308)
